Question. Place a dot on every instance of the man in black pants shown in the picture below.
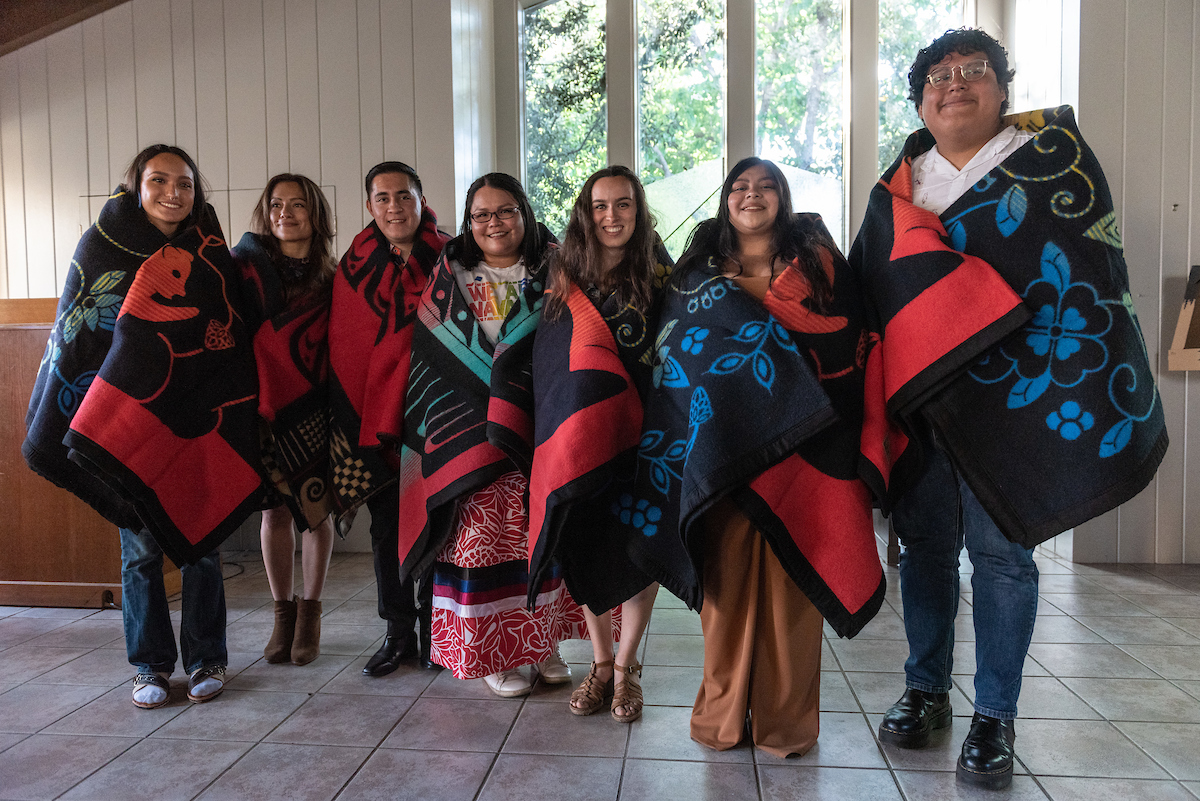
(374, 303)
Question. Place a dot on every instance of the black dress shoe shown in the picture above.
(397, 646)
(987, 753)
(910, 720)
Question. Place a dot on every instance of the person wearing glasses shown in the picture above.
(468, 428)
(990, 259)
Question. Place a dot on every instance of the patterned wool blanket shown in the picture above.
(291, 355)
(469, 413)
(591, 374)
(760, 402)
(102, 270)
(370, 342)
(1007, 324)
(169, 420)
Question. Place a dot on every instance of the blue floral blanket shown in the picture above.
(1056, 420)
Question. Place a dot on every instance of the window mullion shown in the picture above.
(740, 89)
(621, 67)
(862, 126)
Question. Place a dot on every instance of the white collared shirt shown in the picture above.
(937, 183)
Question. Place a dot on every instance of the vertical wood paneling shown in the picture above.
(153, 72)
(95, 93)
(398, 67)
(304, 130)
(38, 182)
(212, 129)
(3, 234)
(1178, 99)
(1142, 214)
(341, 151)
(431, 49)
(183, 70)
(274, 58)
(370, 86)
(13, 177)
(120, 91)
(68, 143)
(245, 93)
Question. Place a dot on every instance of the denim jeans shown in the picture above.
(933, 520)
(149, 635)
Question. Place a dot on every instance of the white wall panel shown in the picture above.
(183, 70)
(433, 97)
(38, 181)
(14, 175)
(212, 129)
(95, 95)
(120, 91)
(398, 71)
(153, 72)
(370, 86)
(341, 135)
(68, 144)
(303, 90)
(245, 94)
(275, 72)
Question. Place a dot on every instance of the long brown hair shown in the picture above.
(321, 265)
(580, 260)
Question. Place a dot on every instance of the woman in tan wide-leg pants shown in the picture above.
(762, 644)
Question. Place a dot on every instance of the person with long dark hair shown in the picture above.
(465, 463)
(749, 503)
(288, 247)
(604, 288)
(161, 198)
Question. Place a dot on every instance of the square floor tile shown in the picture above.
(1081, 748)
(1168, 661)
(24, 662)
(114, 714)
(165, 770)
(408, 679)
(1175, 746)
(886, 625)
(446, 686)
(1046, 697)
(1088, 661)
(353, 613)
(874, 656)
(1155, 700)
(85, 633)
(521, 777)
(674, 621)
(679, 650)
(287, 677)
(876, 692)
(288, 772)
(32, 707)
(788, 782)
(234, 715)
(1135, 630)
(1106, 605)
(1168, 605)
(345, 639)
(835, 693)
(846, 741)
(664, 733)
(552, 729)
(671, 686)
(15, 630)
(1074, 789)
(686, 781)
(445, 776)
(104, 667)
(447, 724)
(946, 787)
(1062, 629)
(45, 766)
(352, 720)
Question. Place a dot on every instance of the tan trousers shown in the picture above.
(762, 645)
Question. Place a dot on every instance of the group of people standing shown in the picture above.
(544, 433)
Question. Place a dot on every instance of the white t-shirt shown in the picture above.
(937, 183)
(491, 293)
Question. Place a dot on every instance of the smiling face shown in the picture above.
(614, 214)
(500, 240)
(289, 214)
(395, 204)
(963, 115)
(754, 202)
(167, 191)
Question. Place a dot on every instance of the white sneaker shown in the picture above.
(508, 683)
(554, 670)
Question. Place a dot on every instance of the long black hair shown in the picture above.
(579, 261)
(533, 246)
(133, 179)
(717, 238)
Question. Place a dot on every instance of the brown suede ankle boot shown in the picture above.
(307, 645)
(279, 647)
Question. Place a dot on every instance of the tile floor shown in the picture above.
(1110, 710)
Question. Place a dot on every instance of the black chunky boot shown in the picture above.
(987, 753)
(911, 719)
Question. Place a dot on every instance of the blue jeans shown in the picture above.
(149, 636)
(933, 520)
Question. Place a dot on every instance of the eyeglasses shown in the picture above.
(482, 217)
(970, 71)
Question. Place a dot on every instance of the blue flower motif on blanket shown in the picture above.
(665, 460)
(760, 334)
(639, 514)
(1063, 343)
(98, 308)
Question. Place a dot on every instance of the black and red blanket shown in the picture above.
(1007, 324)
(591, 374)
(102, 270)
(291, 354)
(370, 342)
(469, 413)
(762, 403)
(169, 420)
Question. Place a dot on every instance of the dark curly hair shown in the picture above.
(963, 41)
(717, 238)
(579, 260)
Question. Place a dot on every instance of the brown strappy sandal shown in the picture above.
(628, 694)
(592, 690)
